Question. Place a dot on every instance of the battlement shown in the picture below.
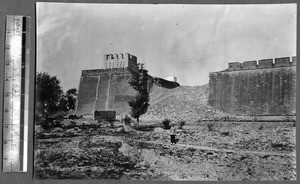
(234, 66)
(119, 60)
(262, 64)
(119, 56)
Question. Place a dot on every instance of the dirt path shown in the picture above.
(237, 151)
(114, 138)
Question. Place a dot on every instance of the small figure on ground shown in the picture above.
(173, 133)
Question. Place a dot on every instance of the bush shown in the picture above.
(181, 124)
(74, 116)
(225, 118)
(281, 146)
(72, 123)
(261, 127)
(210, 126)
(38, 119)
(255, 118)
(225, 133)
(46, 125)
(111, 121)
(127, 120)
(50, 123)
(294, 123)
(166, 124)
(57, 116)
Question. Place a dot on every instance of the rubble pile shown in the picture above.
(188, 103)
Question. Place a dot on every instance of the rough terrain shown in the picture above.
(212, 145)
(228, 151)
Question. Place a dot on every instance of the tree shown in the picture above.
(139, 78)
(48, 93)
(71, 98)
(68, 100)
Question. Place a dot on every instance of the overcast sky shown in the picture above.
(187, 41)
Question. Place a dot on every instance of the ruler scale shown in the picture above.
(16, 89)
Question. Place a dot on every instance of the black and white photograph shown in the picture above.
(182, 92)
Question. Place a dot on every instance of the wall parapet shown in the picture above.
(262, 64)
(119, 60)
(120, 56)
(107, 71)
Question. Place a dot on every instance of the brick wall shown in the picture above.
(268, 91)
(86, 94)
(262, 64)
(109, 90)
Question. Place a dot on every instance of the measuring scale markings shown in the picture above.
(15, 124)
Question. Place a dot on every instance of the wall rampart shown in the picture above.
(282, 62)
(249, 65)
(262, 64)
(265, 63)
(109, 90)
(234, 66)
(108, 71)
(267, 90)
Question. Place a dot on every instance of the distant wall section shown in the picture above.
(264, 88)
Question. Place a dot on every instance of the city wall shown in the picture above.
(109, 90)
(263, 88)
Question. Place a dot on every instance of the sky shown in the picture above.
(186, 41)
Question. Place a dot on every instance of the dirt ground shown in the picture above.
(205, 151)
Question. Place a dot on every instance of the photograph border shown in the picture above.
(28, 8)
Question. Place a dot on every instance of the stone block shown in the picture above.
(281, 62)
(249, 65)
(105, 115)
(234, 66)
(265, 63)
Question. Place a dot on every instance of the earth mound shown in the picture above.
(188, 103)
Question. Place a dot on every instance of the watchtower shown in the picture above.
(120, 61)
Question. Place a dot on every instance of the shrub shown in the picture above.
(166, 123)
(225, 133)
(50, 123)
(210, 126)
(72, 123)
(38, 119)
(261, 127)
(281, 146)
(181, 124)
(127, 120)
(46, 125)
(225, 118)
(294, 123)
(111, 121)
(74, 116)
